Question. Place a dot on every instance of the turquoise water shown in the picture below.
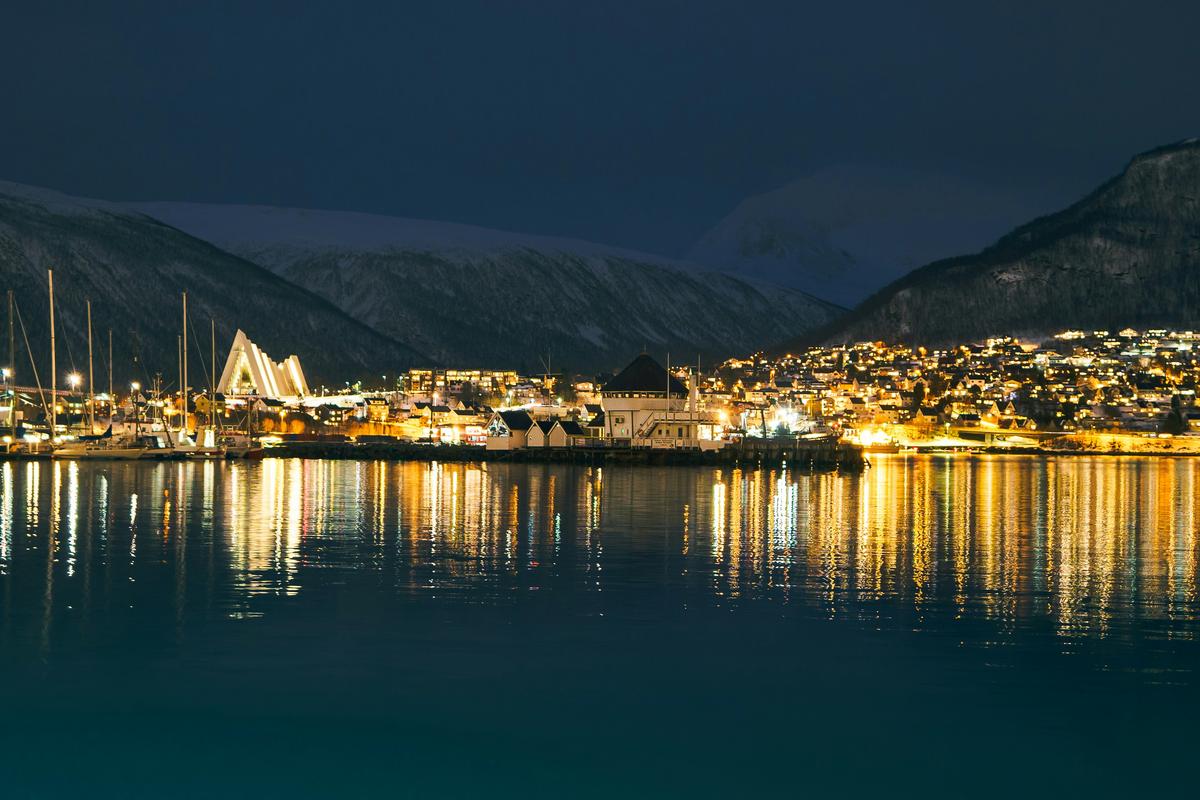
(966, 626)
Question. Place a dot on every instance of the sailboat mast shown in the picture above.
(53, 364)
(184, 385)
(212, 373)
(12, 370)
(112, 401)
(91, 377)
(179, 363)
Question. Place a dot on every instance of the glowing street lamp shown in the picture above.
(74, 380)
(134, 388)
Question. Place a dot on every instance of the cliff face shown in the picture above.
(1127, 254)
(133, 269)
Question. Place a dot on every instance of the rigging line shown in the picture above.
(137, 355)
(67, 341)
(104, 361)
(32, 363)
(207, 376)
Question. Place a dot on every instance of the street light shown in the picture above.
(74, 379)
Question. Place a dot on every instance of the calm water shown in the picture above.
(949, 626)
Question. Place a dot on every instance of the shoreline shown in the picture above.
(841, 457)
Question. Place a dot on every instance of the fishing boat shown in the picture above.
(241, 445)
(200, 447)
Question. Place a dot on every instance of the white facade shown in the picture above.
(249, 370)
(638, 413)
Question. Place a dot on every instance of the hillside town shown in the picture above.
(1090, 391)
(1128, 391)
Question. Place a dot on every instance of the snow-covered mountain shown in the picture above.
(475, 296)
(1126, 254)
(844, 231)
(133, 269)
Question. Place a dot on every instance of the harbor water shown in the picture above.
(939, 625)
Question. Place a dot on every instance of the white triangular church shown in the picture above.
(249, 370)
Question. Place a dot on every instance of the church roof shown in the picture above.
(644, 374)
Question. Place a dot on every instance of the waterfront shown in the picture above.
(983, 624)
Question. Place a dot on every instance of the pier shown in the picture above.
(818, 455)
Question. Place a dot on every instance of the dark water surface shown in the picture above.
(937, 626)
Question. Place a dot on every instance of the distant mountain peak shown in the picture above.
(470, 295)
(244, 226)
(847, 229)
(1126, 254)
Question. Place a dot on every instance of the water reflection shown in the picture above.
(1070, 549)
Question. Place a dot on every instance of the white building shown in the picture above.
(645, 406)
(508, 430)
(249, 370)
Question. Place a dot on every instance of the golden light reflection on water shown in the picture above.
(1075, 546)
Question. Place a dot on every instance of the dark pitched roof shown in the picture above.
(516, 420)
(644, 374)
(597, 421)
(571, 427)
(546, 424)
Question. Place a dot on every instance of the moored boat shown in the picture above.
(103, 446)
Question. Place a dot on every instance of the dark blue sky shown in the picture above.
(636, 123)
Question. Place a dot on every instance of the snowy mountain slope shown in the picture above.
(473, 296)
(1127, 254)
(845, 231)
(133, 268)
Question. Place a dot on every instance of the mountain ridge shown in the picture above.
(503, 298)
(133, 269)
(848, 229)
(1127, 253)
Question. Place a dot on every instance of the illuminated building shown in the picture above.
(248, 370)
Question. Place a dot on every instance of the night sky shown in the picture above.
(638, 124)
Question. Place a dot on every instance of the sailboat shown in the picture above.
(187, 446)
(102, 446)
(90, 445)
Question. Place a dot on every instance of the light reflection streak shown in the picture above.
(1086, 546)
(6, 516)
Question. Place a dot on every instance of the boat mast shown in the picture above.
(91, 378)
(12, 371)
(212, 374)
(183, 366)
(179, 364)
(53, 364)
(112, 401)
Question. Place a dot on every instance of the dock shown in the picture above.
(818, 455)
